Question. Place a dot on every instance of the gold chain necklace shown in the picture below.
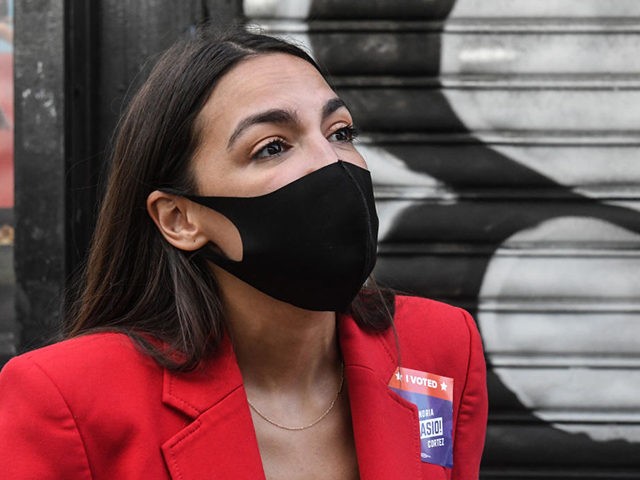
(304, 427)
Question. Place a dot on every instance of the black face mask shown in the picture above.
(311, 243)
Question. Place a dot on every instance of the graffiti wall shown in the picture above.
(503, 139)
(7, 280)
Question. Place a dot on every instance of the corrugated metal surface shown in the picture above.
(504, 137)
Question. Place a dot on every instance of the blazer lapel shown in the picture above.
(220, 442)
(385, 426)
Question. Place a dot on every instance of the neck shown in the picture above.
(279, 347)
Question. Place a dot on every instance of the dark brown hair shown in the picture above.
(135, 282)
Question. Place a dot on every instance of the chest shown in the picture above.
(324, 451)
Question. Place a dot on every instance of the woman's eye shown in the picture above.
(344, 134)
(273, 148)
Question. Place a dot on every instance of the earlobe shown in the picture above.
(175, 220)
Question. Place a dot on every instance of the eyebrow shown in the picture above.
(331, 106)
(280, 116)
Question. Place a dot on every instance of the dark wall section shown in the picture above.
(76, 64)
(111, 46)
(40, 107)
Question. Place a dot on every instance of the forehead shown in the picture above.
(267, 81)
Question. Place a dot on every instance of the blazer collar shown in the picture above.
(385, 426)
(221, 443)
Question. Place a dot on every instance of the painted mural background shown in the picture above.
(6, 104)
(503, 138)
(7, 277)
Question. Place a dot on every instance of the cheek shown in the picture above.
(352, 155)
(301, 165)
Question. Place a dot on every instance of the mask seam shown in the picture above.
(367, 213)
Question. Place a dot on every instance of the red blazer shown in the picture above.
(94, 407)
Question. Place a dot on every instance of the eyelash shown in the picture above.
(349, 131)
(280, 142)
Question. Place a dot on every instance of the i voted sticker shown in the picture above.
(433, 395)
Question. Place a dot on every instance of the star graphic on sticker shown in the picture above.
(443, 386)
(398, 375)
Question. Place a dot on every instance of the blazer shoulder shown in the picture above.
(435, 332)
(88, 349)
(81, 398)
(421, 314)
(93, 356)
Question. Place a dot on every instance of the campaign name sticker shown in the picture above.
(433, 395)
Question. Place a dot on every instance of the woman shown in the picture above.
(238, 219)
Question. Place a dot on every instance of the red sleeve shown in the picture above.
(472, 415)
(39, 437)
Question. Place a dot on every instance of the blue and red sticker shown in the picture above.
(433, 395)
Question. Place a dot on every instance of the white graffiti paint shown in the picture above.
(545, 9)
(522, 273)
(387, 170)
(277, 8)
(515, 277)
(606, 433)
(486, 55)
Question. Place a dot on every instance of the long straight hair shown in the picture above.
(134, 281)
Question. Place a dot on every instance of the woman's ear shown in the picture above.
(176, 219)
